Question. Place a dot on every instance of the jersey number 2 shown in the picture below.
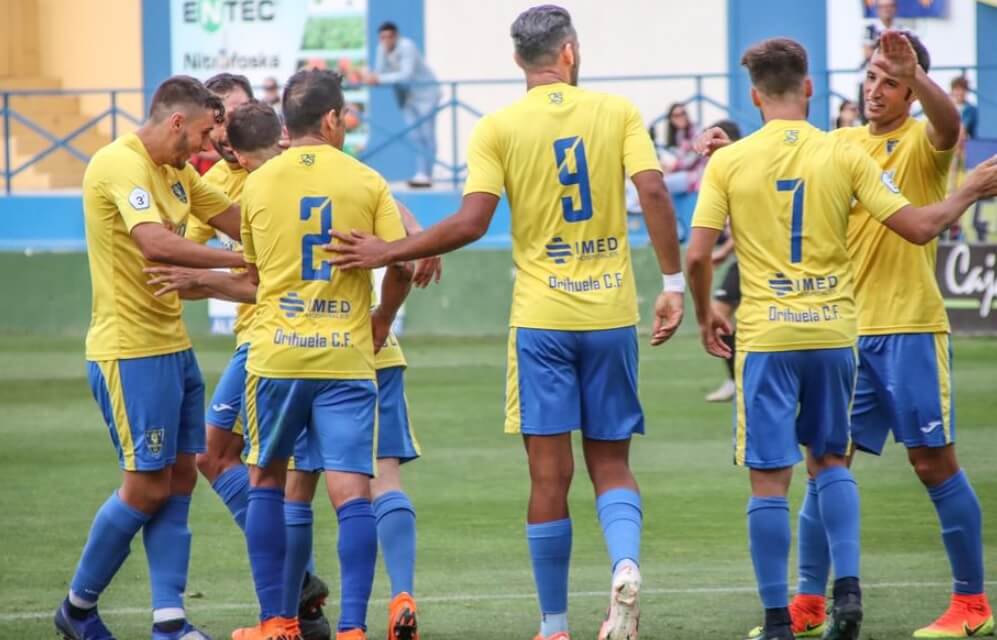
(579, 177)
(797, 186)
(309, 240)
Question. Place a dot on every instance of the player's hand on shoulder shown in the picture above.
(380, 327)
(427, 271)
(710, 140)
(358, 250)
(711, 332)
(170, 278)
(668, 311)
(982, 181)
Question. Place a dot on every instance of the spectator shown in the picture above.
(967, 111)
(400, 63)
(683, 167)
(848, 115)
(271, 93)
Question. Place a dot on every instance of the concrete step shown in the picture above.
(14, 83)
(31, 106)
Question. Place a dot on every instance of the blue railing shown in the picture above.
(698, 97)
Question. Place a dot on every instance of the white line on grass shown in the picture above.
(470, 597)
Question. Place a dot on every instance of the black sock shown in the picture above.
(170, 626)
(777, 617)
(730, 342)
(846, 586)
(78, 613)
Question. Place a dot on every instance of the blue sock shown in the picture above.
(620, 515)
(839, 509)
(550, 553)
(232, 486)
(267, 543)
(815, 561)
(769, 538)
(167, 548)
(107, 546)
(396, 536)
(357, 558)
(298, 525)
(961, 520)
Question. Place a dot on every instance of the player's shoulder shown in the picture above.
(115, 158)
(218, 173)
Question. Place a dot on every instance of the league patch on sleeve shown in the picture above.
(139, 199)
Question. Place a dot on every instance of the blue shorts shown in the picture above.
(560, 381)
(788, 398)
(904, 387)
(154, 407)
(339, 416)
(395, 437)
(225, 411)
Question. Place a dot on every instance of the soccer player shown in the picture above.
(139, 193)
(311, 356)
(560, 154)
(904, 380)
(255, 132)
(796, 359)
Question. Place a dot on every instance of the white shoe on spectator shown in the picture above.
(420, 181)
(723, 393)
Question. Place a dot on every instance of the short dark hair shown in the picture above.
(388, 25)
(183, 91)
(539, 32)
(308, 96)
(960, 82)
(921, 51)
(777, 66)
(729, 127)
(224, 83)
(253, 126)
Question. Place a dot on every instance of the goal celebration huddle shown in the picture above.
(841, 337)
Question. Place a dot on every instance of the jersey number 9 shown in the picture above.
(309, 240)
(580, 177)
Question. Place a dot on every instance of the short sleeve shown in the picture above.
(485, 173)
(638, 148)
(246, 228)
(387, 220)
(712, 204)
(873, 187)
(198, 231)
(206, 199)
(129, 187)
(941, 161)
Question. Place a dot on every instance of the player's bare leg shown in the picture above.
(619, 509)
(969, 612)
(302, 588)
(396, 538)
(548, 527)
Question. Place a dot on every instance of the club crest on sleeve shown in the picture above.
(139, 199)
(179, 192)
(154, 440)
(889, 182)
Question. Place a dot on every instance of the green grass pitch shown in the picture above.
(470, 488)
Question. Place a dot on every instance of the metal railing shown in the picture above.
(700, 91)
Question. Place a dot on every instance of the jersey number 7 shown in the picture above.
(309, 240)
(579, 177)
(797, 186)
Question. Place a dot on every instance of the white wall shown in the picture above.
(470, 40)
(951, 41)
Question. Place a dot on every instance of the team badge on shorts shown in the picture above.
(154, 439)
(179, 192)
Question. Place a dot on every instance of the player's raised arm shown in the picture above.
(898, 60)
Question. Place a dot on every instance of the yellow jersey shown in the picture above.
(123, 188)
(230, 180)
(788, 191)
(895, 286)
(312, 321)
(560, 154)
